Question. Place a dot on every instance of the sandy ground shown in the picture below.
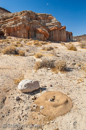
(16, 115)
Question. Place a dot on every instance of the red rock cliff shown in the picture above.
(27, 24)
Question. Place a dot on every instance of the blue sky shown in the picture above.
(71, 13)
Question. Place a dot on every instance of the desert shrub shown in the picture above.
(71, 47)
(54, 65)
(10, 50)
(29, 43)
(60, 65)
(18, 45)
(38, 55)
(48, 63)
(18, 42)
(47, 48)
(83, 45)
(38, 65)
(83, 66)
(21, 53)
(37, 44)
(18, 80)
(44, 63)
(13, 50)
(44, 43)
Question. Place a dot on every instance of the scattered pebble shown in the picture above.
(52, 121)
(51, 85)
(34, 98)
(41, 107)
(17, 98)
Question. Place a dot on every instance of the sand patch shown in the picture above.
(60, 105)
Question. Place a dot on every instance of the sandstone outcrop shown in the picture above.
(27, 24)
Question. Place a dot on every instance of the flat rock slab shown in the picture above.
(27, 85)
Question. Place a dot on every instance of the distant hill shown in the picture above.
(80, 38)
(2, 10)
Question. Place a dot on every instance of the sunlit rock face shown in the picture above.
(27, 24)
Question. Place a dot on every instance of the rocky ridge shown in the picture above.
(27, 24)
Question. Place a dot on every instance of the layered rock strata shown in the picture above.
(27, 24)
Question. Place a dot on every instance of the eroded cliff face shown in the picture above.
(27, 24)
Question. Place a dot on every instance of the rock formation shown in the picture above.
(27, 24)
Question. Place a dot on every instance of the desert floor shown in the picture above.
(17, 115)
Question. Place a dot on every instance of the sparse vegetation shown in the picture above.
(18, 80)
(83, 66)
(54, 65)
(13, 50)
(60, 65)
(37, 44)
(71, 47)
(21, 53)
(18, 45)
(38, 55)
(10, 50)
(44, 63)
(47, 48)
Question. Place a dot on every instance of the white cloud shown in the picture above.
(47, 4)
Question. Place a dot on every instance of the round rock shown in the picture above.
(27, 85)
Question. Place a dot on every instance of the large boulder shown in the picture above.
(27, 85)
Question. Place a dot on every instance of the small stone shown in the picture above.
(51, 85)
(47, 122)
(52, 121)
(17, 98)
(41, 107)
(37, 126)
(52, 98)
(34, 98)
(35, 105)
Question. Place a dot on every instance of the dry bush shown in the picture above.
(38, 65)
(83, 45)
(30, 44)
(60, 65)
(18, 45)
(37, 44)
(10, 50)
(71, 47)
(54, 65)
(21, 53)
(44, 63)
(47, 48)
(13, 50)
(18, 42)
(38, 55)
(18, 80)
(44, 43)
(83, 66)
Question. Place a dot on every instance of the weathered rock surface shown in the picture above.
(27, 24)
(2, 10)
(27, 85)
